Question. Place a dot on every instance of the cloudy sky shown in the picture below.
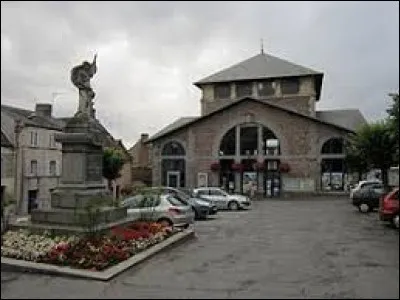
(150, 53)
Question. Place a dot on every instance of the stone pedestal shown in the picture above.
(81, 183)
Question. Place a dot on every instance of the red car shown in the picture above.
(389, 207)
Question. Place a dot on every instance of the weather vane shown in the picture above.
(262, 46)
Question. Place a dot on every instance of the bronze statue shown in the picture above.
(80, 77)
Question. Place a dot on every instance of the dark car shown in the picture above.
(367, 198)
(389, 208)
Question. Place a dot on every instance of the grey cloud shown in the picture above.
(150, 53)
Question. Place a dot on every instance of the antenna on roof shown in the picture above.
(262, 46)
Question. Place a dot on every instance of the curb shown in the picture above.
(28, 266)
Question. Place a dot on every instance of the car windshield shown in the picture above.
(218, 192)
(183, 195)
(175, 201)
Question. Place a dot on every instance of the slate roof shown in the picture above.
(349, 118)
(343, 119)
(10, 114)
(173, 126)
(29, 117)
(260, 66)
(5, 142)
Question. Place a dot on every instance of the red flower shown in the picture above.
(259, 166)
(284, 167)
(215, 166)
(237, 167)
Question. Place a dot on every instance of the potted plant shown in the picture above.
(284, 167)
(237, 167)
(259, 166)
(215, 166)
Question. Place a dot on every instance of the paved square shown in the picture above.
(303, 248)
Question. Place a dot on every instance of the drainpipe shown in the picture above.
(18, 178)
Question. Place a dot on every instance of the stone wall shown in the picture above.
(303, 101)
(300, 140)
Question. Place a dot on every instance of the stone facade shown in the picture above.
(7, 171)
(36, 183)
(141, 161)
(301, 140)
(287, 117)
(303, 101)
(35, 148)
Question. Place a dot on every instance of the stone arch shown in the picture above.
(333, 145)
(173, 148)
(242, 120)
(332, 163)
(173, 163)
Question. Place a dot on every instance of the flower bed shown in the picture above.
(94, 253)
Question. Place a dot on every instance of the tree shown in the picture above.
(393, 120)
(355, 160)
(375, 144)
(113, 161)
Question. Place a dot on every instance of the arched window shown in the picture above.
(228, 143)
(173, 149)
(252, 138)
(173, 165)
(333, 146)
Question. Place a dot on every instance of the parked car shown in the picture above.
(361, 184)
(222, 199)
(367, 197)
(389, 208)
(162, 208)
(201, 208)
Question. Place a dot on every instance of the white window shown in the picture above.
(290, 86)
(34, 138)
(51, 140)
(34, 166)
(244, 89)
(272, 165)
(222, 91)
(52, 168)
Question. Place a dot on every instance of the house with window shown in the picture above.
(258, 129)
(7, 166)
(141, 161)
(37, 157)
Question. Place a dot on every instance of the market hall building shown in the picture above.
(259, 130)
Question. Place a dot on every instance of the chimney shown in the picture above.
(43, 110)
(144, 137)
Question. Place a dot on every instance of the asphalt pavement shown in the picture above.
(298, 248)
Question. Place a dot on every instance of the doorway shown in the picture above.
(173, 179)
(32, 200)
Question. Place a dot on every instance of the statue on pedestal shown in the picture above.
(80, 77)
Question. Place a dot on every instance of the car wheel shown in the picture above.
(233, 205)
(396, 221)
(364, 208)
(165, 222)
(196, 214)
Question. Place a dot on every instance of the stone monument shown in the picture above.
(82, 159)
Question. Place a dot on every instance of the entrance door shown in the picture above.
(173, 179)
(32, 197)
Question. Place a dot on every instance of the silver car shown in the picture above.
(164, 208)
(222, 199)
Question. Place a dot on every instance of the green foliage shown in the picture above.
(393, 122)
(89, 216)
(355, 160)
(374, 146)
(113, 161)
